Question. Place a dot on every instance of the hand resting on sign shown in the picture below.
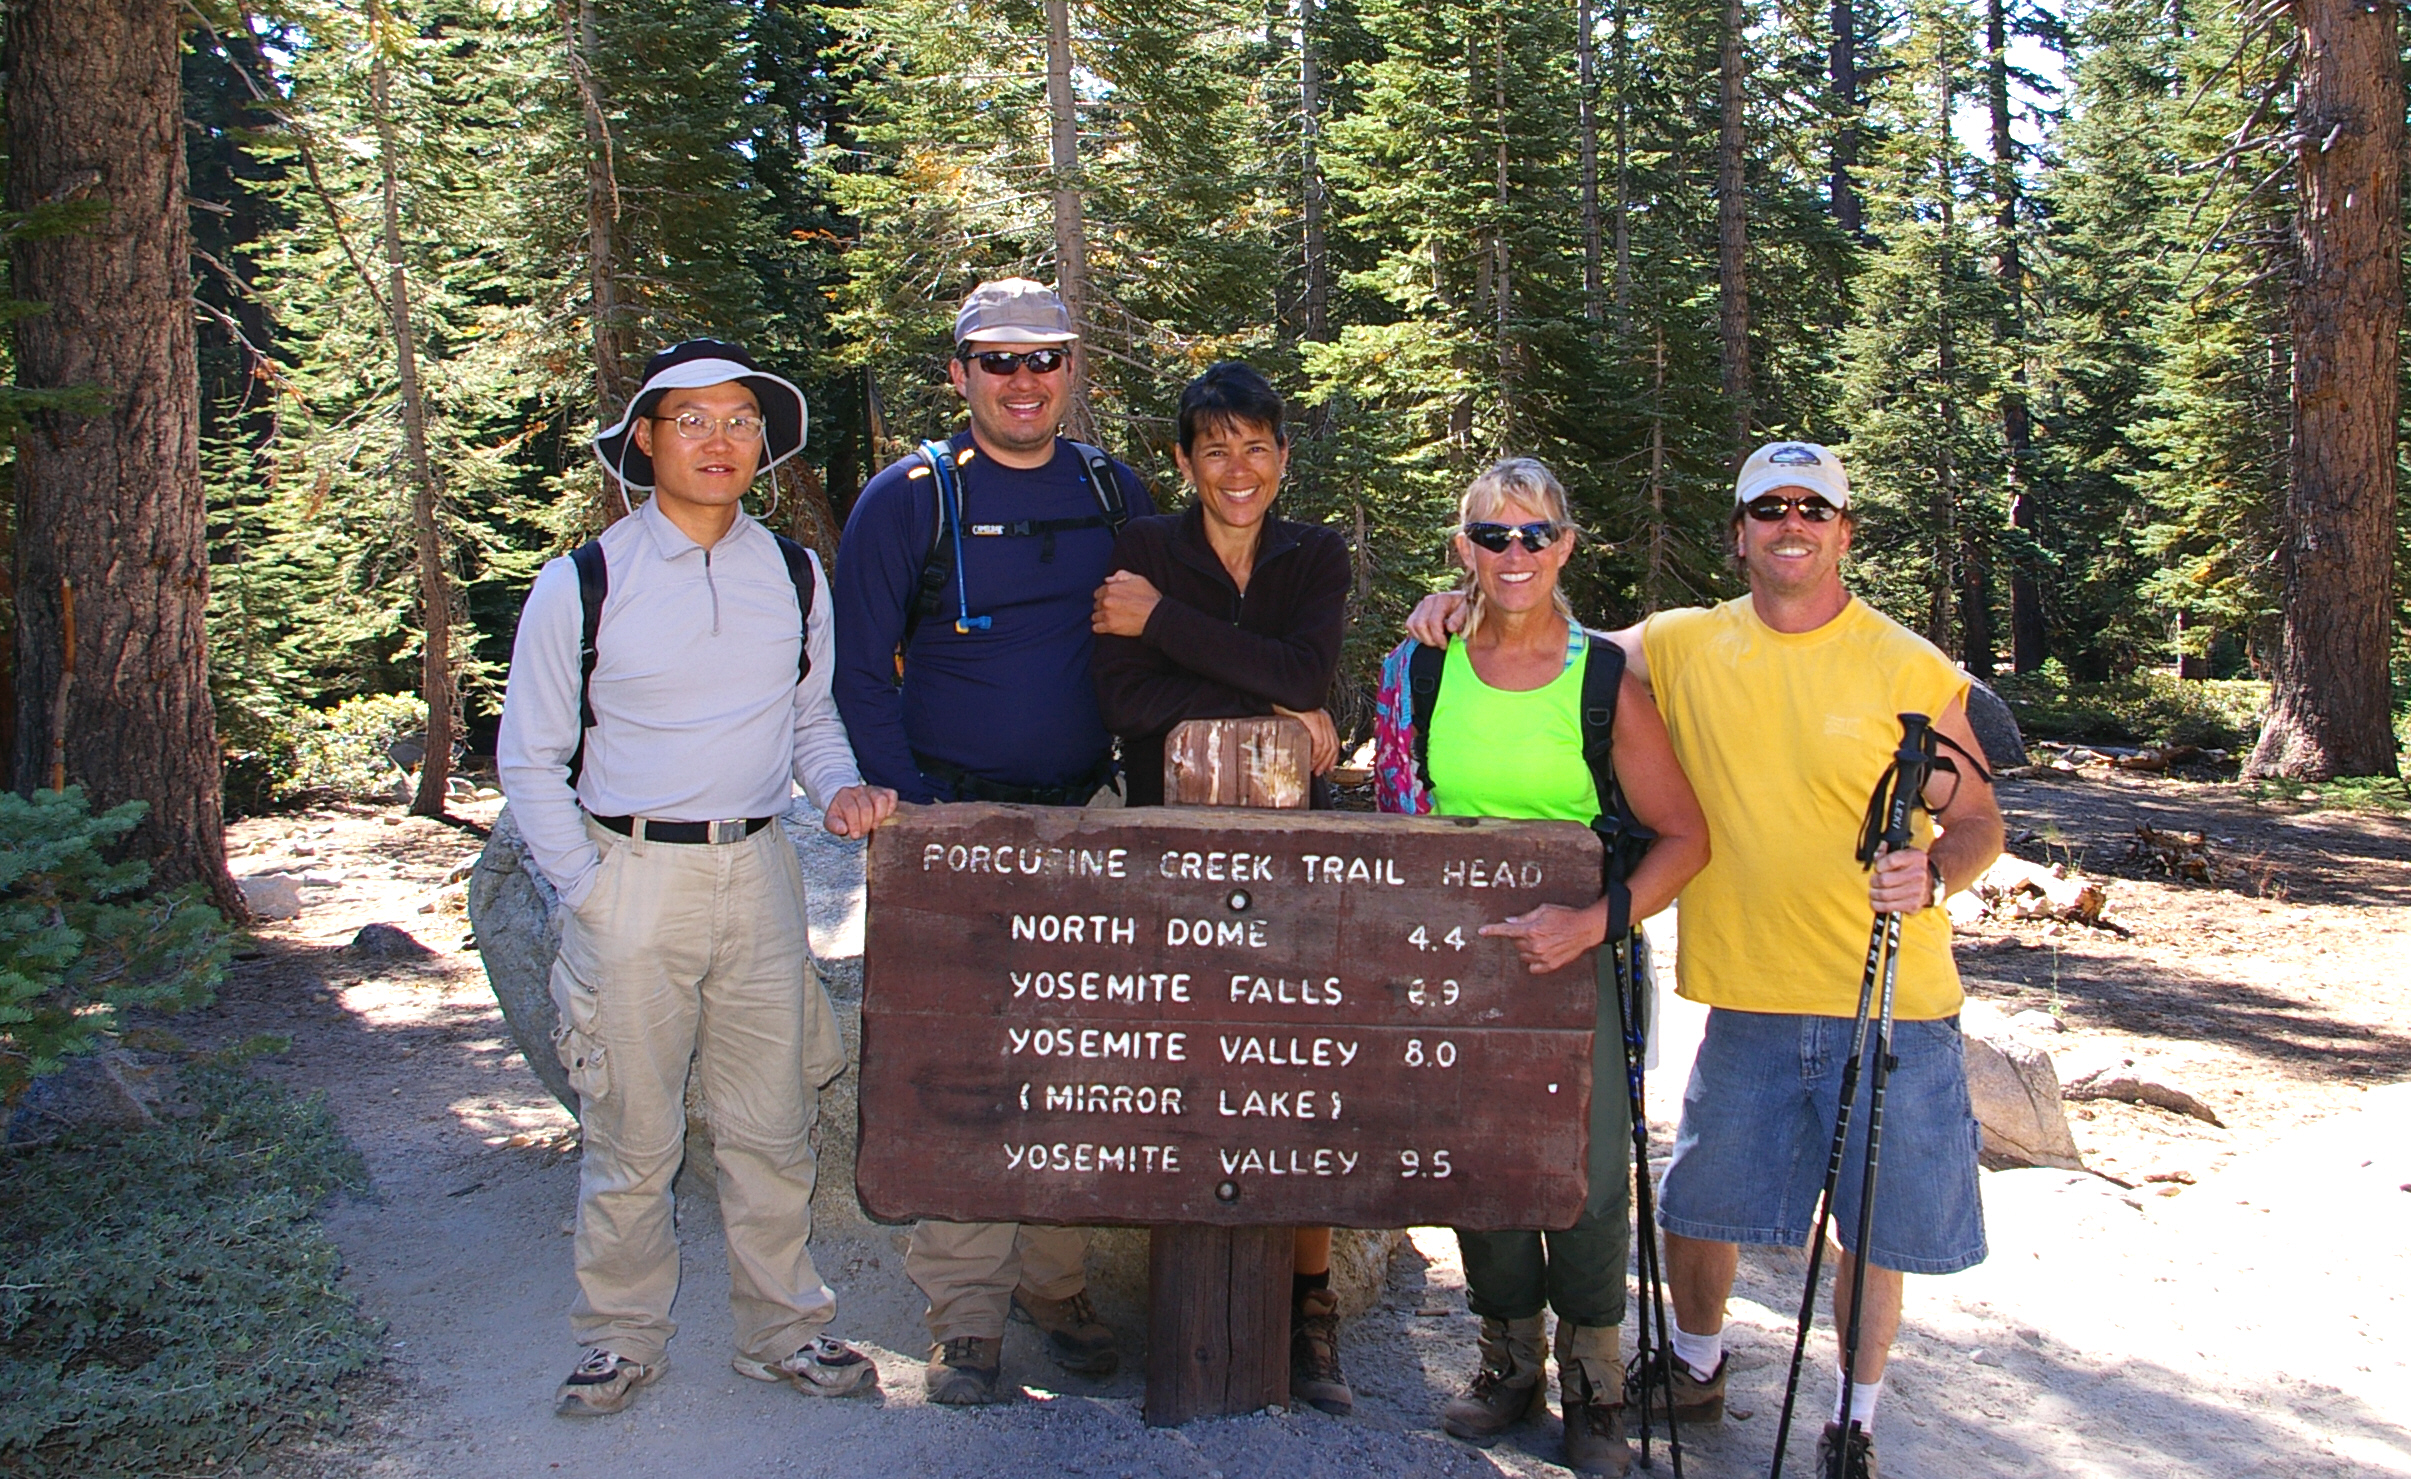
(1551, 936)
(856, 810)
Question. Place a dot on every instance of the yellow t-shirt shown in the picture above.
(1784, 736)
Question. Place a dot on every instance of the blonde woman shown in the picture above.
(1504, 739)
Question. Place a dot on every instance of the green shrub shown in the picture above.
(275, 757)
(169, 1299)
(2143, 708)
(340, 752)
(79, 937)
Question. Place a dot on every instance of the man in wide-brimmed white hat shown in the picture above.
(669, 688)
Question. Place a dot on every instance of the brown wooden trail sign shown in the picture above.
(1220, 1017)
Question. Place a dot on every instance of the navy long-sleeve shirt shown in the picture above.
(1014, 703)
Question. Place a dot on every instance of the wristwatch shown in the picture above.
(1941, 885)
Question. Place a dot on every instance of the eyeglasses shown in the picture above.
(1003, 362)
(1771, 509)
(1534, 537)
(694, 426)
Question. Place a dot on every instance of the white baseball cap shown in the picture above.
(1792, 465)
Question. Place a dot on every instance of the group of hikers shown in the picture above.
(1006, 607)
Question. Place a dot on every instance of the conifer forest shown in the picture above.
(2102, 300)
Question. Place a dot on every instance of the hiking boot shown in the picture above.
(1076, 1339)
(825, 1368)
(962, 1371)
(1506, 1390)
(1590, 1382)
(603, 1382)
(1314, 1375)
(1860, 1464)
(1694, 1401)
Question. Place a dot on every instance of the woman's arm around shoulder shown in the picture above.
(1661, 799)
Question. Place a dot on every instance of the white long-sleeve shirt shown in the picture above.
(698, 715)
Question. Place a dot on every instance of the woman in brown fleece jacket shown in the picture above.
(1223, 611)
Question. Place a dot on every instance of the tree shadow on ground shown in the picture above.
(2257, 849)
(2149, 999)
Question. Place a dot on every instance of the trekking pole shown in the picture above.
(1654, 1353)
(1887, 826)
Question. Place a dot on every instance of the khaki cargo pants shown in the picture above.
(969, 1270)
(694, 951)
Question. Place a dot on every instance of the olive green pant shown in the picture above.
(1578, 1272)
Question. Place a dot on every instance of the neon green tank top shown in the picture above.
(1494, 753)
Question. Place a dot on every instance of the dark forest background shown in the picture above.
(2095, 298)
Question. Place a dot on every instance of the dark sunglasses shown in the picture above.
(1770, 509)
(1003, 362)
(1535, 536)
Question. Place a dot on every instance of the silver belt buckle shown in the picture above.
(732, 830)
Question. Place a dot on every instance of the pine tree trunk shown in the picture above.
(2026, 637)
(2329, 710)
(1310, 168)
(110, 504)
(1501, 254)
(1623, 232)
(1586, 68)
(1071, 226)
(435, 580)
(1962, 541)
(609, 328)
(1655, 577)
(1843, 98)
(1732, 231)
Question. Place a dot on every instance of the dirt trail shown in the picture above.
(2250, 1322)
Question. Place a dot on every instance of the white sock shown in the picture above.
(1863, 1395)
(1699, 1352)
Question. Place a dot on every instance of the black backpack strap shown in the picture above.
(1424, 666)
(1622, 840)
(937, 565)
(799, 570)
(1103, 483)
(594, 583)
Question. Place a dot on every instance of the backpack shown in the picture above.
(594, 583)
(1622, 839)
(943, 565)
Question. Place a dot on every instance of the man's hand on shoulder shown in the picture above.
(857, 810)
(1124, 602)
(1436, 618)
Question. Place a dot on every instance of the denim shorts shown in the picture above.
(1757, 1135)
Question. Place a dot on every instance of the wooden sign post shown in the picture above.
(1220, 1018)
(1218, 1297)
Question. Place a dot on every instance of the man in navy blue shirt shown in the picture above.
(991, 701)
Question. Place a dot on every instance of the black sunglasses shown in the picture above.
(1003, 362)
(1770, 509)
(1535, 536)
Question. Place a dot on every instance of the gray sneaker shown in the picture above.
(603, 1382)
(826, 1368)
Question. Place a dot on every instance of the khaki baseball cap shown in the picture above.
(1014, 310)
(1793, 465)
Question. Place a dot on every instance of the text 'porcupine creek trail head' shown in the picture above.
(1215, 1016)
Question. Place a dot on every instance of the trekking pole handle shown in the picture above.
(1911, 763)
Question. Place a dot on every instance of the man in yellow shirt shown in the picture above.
(1783, 707)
